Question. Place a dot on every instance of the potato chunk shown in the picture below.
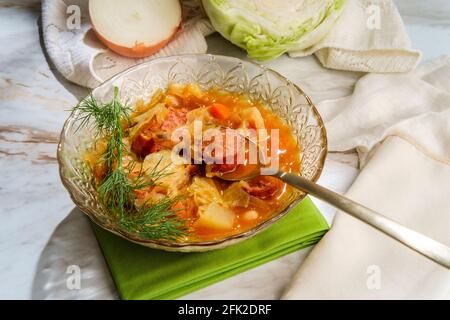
(216, 216)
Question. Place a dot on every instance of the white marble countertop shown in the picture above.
(37, 215)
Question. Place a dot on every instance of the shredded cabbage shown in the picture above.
(159, 111)
(269, 28)
(235, 196)
(204, 191)
(174, 176)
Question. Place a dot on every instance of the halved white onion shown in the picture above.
(135, 28)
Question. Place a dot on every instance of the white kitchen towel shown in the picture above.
(81, 58)
(414, 105)
(369, 36)
(357, 42)
(401, 126)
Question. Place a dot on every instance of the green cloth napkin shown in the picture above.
(143, 273)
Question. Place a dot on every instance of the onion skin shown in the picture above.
(139, 50)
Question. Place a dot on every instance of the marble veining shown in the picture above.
(42, 233)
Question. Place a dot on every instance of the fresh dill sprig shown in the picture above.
(107, 116)
(168, 227)
(108, 119)
(117, 190)
(116, 193)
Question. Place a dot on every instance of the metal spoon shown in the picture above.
(426, 246)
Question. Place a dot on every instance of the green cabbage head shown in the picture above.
(268, 28)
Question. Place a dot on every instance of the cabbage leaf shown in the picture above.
(268, 28)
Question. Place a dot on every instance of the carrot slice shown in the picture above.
(184, 208)
(219, 111)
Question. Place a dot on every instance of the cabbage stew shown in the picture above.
(210, 207)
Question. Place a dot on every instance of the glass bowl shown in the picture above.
(209, 71)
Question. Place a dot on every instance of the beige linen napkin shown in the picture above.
(369, 36)
(406, 177)
(356, 42)
(79, 56)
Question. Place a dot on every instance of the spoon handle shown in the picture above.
(430, 248)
